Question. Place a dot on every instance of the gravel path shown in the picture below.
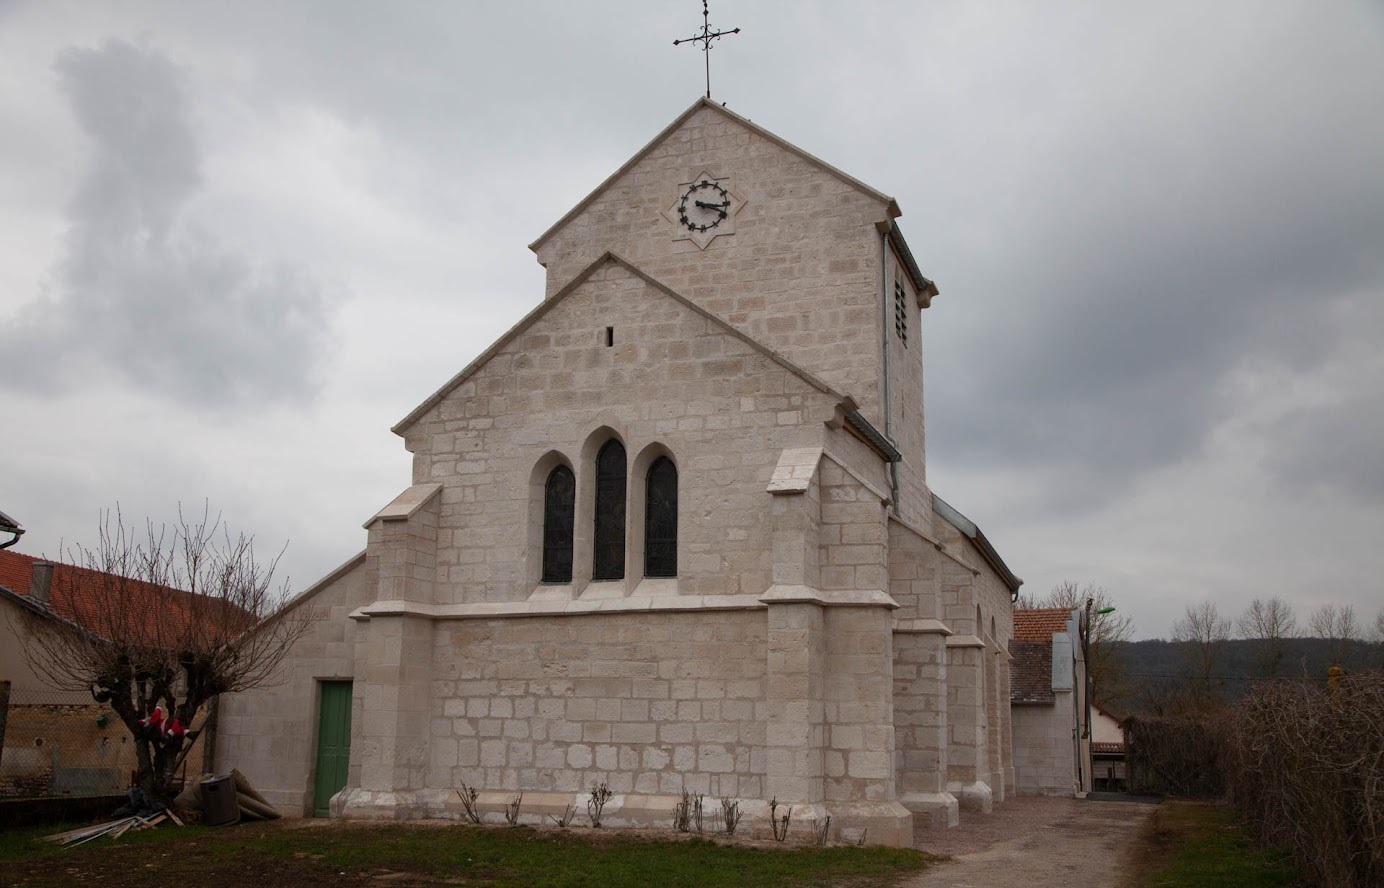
(1034, 843)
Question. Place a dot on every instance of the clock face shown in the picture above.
(703, 206)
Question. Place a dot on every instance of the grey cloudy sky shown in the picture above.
(242, 240)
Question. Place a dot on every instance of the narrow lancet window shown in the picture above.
(661, 520)
(559, 509)
(608, 561)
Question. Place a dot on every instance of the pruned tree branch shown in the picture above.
(157, 622)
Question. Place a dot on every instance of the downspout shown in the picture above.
(884, 328)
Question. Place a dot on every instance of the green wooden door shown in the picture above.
(333, 744)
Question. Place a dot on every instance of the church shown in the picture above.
(671, 531)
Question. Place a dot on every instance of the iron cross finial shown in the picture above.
(705, 39)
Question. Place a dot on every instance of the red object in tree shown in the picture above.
(152, 726)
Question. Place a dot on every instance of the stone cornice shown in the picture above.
(487, 610)
(828, 597)
(406, 504)
(921, 627)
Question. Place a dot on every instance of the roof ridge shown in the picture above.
(605, 258)
(892, 205)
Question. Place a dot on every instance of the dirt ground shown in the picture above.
(1035, 843)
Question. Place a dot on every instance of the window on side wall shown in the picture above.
(661, 519)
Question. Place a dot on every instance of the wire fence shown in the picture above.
(56, 745)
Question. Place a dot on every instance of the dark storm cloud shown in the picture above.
(142, 291)
(1160, 250)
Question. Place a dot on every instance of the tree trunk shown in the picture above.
(4, 712)
(209, 737)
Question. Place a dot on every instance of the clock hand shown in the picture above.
(721, 207)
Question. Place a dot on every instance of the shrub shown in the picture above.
(1306, 768)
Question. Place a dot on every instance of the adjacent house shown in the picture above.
(52, 742)
(1047, 695)
(62, 742)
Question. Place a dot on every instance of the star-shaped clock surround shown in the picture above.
(704, 208)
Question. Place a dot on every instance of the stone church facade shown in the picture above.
(673, 530)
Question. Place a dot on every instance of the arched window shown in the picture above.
(559, 509)
(608, 559)
(661, 519)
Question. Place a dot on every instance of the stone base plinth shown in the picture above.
(878, 823)
(933, 810)
(973, 796)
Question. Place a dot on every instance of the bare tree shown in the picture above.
(1267, 622)
(158, 623)
(1339, 627)
(1107, 630)
(1203, 633)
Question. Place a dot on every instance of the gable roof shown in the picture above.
(1030, 670)
(108, 605)
(891, 205)
(1040, 623)
(543, 308)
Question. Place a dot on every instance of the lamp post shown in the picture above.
(1090, 682)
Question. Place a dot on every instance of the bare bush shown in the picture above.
(1306, 767)
(682, 812)
(779, 824)
(468, 795)
(566, 818)
(730, 815)
(595, 804)
(512, 810)
(1176, 755)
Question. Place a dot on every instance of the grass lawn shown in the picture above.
(265, 855)
(1192, 845)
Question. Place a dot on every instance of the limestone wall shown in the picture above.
(270, 734)
(801, 273)
(648, 703)
(1044, 747)
(674, 383)
(906, 425)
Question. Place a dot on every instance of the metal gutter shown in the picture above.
(969, 529)
(925, 287)
(887, 344)
(9, 525)
(862, 427)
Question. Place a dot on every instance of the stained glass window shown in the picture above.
(661, 520)
(559, 508)
(608, 561)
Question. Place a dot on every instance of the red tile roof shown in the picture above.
(1030, 670)
(1040, 623)
(15, 571)
(112, 606)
